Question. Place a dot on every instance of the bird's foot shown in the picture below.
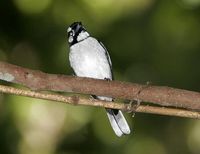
(107, 79)
(134, 104)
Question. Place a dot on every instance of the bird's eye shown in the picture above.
(72, 33)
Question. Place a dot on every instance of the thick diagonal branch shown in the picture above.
(37, 80)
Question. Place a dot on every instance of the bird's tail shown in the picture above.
(118, 122)
(116, 118)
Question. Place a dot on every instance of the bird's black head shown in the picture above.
(76, 33)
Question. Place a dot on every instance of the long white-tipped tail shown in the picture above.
(118, 122)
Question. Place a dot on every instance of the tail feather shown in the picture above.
(118, 122)
(116, 118)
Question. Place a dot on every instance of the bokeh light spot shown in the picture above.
(32, 6)
(194, 138)
(191, 3)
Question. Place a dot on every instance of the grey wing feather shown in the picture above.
(107, 54)
(108, 57)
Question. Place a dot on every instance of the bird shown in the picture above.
(88, 57)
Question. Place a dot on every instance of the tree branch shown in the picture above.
(37, 80)
(75, 100)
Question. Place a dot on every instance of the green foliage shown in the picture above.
(148, 40)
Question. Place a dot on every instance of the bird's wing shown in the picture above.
(107, 54)
(108, 58)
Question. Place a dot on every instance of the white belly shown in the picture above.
(88, 59)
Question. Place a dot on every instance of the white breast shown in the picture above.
(88, 59)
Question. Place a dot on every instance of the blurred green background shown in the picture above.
(148, 40)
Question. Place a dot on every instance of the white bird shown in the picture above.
(89, 58)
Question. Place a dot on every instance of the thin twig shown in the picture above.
(37, 80)
(75, 100)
